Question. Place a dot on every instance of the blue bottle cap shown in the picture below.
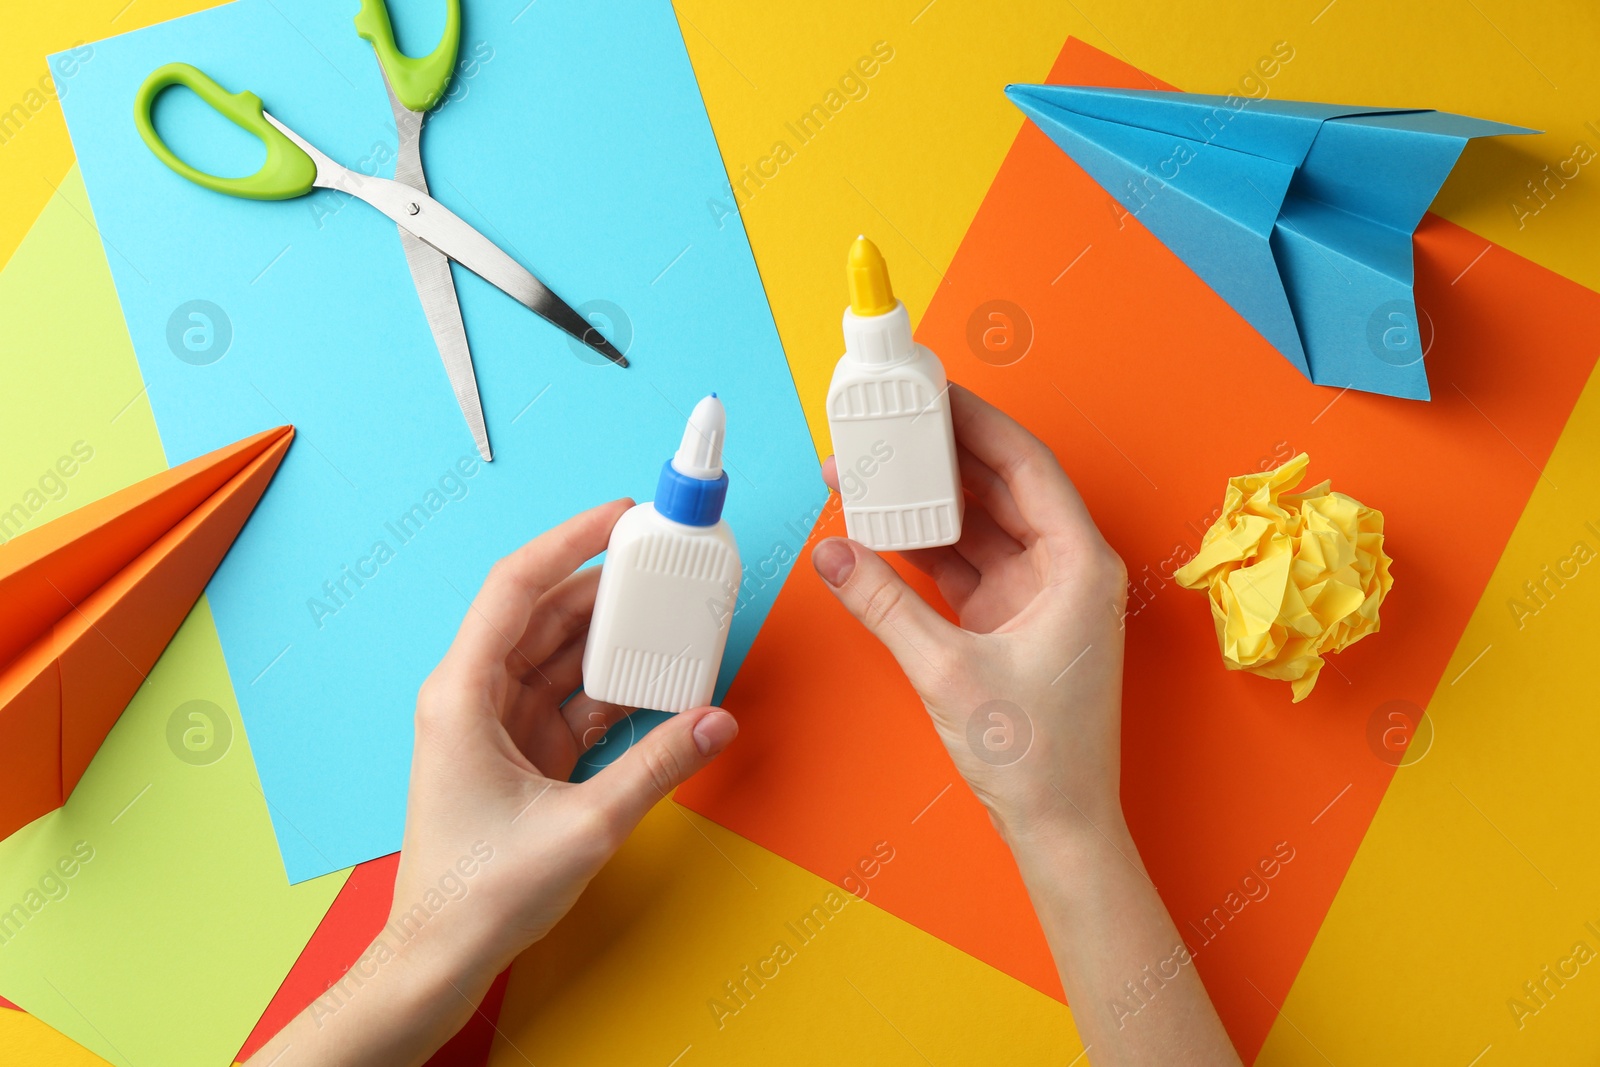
(691, 501)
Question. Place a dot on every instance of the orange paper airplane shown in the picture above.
(92, 599)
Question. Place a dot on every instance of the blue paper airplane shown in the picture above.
(1299, 215)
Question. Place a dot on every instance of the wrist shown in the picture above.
(431, 988)
(436, 955)
(1070, 859)
(395, 1004)
(442, 925)
(1061, 823)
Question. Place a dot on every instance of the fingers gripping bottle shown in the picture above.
(669, 584)
(889, 411)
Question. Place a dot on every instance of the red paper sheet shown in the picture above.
(353, 920)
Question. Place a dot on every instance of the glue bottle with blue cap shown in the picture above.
(670, 583)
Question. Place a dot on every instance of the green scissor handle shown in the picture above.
(288, 171)
(417, 81)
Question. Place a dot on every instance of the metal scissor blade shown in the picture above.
(446, 231)
(420, 214)
(430, 270)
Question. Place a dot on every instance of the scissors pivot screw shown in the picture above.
(413, 208)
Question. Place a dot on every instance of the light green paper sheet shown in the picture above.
(166, 945)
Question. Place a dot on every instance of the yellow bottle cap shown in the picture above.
(868, 276)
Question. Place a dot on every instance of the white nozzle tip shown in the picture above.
(700, 454)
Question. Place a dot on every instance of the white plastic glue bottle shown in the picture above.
(889, 411)
(669, 584)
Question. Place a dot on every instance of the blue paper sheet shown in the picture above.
(575, 137)
(1299, 215)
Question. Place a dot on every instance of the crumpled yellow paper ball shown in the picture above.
(1292, 577)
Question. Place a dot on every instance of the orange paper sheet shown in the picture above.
(1152, 392)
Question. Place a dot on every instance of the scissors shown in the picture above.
(430, 233)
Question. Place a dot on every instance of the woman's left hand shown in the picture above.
(498, 844)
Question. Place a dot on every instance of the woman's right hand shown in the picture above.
(1026, 691)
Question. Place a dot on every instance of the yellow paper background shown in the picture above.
(35, 151)
(27, 1042)
(1440, 920)
(628, 977)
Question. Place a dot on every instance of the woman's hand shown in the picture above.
(498, 844)
(497, 738)
(1026, 692)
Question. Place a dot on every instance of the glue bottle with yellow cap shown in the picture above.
(889, 412)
